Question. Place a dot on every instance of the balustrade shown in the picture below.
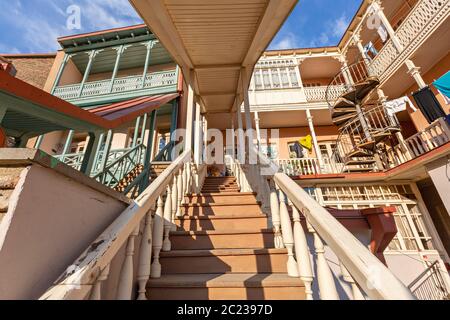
(421, 22)
(139, 222)
(121, 85)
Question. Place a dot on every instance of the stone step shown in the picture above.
(243, 286)
(217, 198)
(247, 207)
(223, 239)
(231, 221)
(224, 261)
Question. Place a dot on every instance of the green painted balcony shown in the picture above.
(102, 92)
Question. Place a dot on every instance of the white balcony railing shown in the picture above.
(421, 22)
(308, 166)
(121, 85)
(318, 94)
(435, 136)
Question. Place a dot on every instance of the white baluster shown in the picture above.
(180, 192)
(325, 278)
(185, 183)
(302, 254)
(125, 286)
(158, 234)
(174, 198)
(356, 292)
(145, 256)
(276, 221)
(96, 293)
(167, 246)
(288, 237)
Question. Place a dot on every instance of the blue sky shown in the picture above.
(33, 25)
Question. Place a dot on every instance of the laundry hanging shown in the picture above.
(399, 105)
(306, 142)
(428, 104)
(443, 85)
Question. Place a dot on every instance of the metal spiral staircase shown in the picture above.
(365, 126)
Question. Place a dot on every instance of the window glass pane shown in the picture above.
(258, 82)
(293, 76)
(275, 79)
(284, 78)
(266, 79)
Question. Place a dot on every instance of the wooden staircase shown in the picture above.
(223, 249)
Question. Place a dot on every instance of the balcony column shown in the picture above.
(149, 45)
(310, 118)
(248, 118)
(344, 69)
(107, 149)
(412, 69)
(67, 144)
(136, 132)
(233, 139)
(415, 73)
(120, 50)
(357, 41)
(92, 54)
(376, 8)
(205, 138)
(190, 111)
(241, 140)
(149, 150)
(89, 155)
(258, 130)
(197, 142)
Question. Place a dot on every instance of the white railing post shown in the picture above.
(96, 293)
(145, 256)
(167, 246)
(158, 235)
(276, 220)
(302, 254)
(288, 237)
(125, 287)
(174, 198)
(180, 192)
(325, 277)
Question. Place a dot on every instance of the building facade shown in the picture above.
(350, 126)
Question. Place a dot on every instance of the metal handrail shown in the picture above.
(433, 278)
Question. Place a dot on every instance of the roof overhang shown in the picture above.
(214, 40)
(29, 111)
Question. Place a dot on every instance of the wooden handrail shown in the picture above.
(376, 280)
(91, 265)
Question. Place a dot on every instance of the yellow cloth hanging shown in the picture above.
(306, 142)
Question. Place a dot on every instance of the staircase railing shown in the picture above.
(346, 78)
(430, 284)
(148, 222)
(166, 153)
(115, 172)
(364, 272)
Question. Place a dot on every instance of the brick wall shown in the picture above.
(32, 69)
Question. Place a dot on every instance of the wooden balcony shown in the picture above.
(97, 92)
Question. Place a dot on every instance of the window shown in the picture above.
(275, 74)
(412, 232)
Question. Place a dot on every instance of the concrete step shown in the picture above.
(217, 198)
(222, 239)
(245, 207)
(224, 261)
(244, 286)
(231, 221)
